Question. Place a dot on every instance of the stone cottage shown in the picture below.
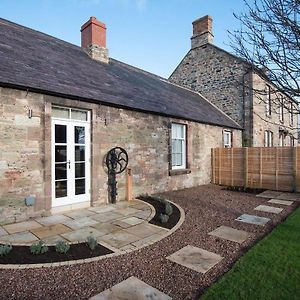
(63, 107)
(268, 115)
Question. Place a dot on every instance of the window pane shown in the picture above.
(79, 153)
(60, 171)
(79, 135)
(179, 159)
(60, 133)
(79, 170)
(79, 186)
(59, 112)
(173, 160)
(174, 135)
(60, 153)
(60, 189)
(79, 115)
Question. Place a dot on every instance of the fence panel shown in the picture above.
(275, 168)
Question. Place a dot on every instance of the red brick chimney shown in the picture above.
(93, 39)
(202, 32)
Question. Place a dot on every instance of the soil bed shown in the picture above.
(22, 254)
(160, 209)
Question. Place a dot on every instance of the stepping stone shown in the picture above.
(288, 196)
(195, 258)
(22, 226)
(230, 234)
(269, 209)
(19, 238)
(269, 194)
(48, 231)
(53, 220)
(3, 232)
(132, 289)
(251, 219)
(80, 223)
(118, 239)
(81, 235)
(282, 202)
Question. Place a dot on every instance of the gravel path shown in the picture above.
(206, 208)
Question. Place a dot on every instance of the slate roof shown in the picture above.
(38, 62)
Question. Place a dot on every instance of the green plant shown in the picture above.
(92, 242)
(5, 249)
(163, 218)
(38, 248)
(62, 247)
(168, 209)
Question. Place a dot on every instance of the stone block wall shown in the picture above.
(25, 151)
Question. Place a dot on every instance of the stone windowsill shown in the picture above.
(179, 172)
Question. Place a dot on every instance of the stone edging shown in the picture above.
(93, 259)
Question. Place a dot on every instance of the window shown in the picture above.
(227, 139)
(291, 113)
(281, 106)
(268, 138)
(69, 113)
(178, 146)
(268, 101)
(281, 139)
(291, 141)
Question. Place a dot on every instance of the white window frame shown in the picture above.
(268, 104)
(229, 134)
(268, 138)
(184, 146)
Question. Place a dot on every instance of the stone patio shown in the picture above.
(131, 289)
(121, 226)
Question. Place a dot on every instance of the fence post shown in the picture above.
(295, 168)
(231, 154)
(219, 159)
(276, 168)
(260, 167)
(246, 166)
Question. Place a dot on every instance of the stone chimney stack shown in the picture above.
(202, 32)
(93, 40)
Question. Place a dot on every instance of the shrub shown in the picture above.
(5, 249)
(92, 242)
(168, 209)
(163, 218)
(62, 247)
(38, 248)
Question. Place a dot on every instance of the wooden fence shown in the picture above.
(276, 168)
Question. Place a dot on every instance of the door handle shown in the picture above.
(69, 162)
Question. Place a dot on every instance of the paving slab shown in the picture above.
(195, 258)
(141, 206)
(81, 235)
(143, 230)
(47, 231)
(281, 202)
(102, 208)
(25, 237)
(78, 214)
(22, 226)
(106, 217)
(81, 223)
(53, 220)
(143, 214)
(147, 240)
(53, 239)
(269, 209)
(269, 194)
(132, 289)
(252, 219)
(127, 211)
(106, 228)
(231, 234)
(119, 238)
(288, 196)
(3, 232)
(132, 221)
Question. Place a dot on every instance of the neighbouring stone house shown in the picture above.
(63, 107)
(268, 116)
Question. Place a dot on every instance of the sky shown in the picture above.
(153, 35)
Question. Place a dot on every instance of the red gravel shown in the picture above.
(206, 208)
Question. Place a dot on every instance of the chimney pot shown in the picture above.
(93, 39)
(202, 32)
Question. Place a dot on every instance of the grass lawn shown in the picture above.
(270, 270)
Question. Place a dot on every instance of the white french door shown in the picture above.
(70, 162)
